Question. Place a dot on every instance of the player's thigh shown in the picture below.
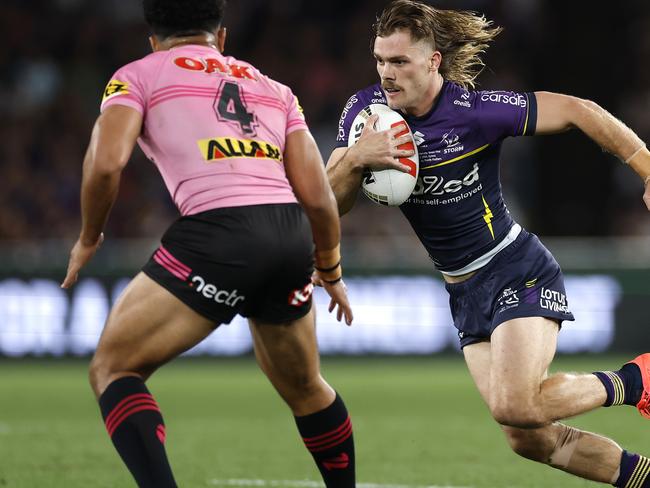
(526, 442)
(477, 358)
(521, 351)
(288, 353)
(147, 327)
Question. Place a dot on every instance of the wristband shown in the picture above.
(328, 259)
(333, 282)
(332, 275)
(325, 270)
(627, 161)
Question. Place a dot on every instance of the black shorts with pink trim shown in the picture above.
(252, 260)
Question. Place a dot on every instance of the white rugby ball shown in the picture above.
(387, 186)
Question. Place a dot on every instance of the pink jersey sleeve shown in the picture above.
(125, 88)
(295, 115)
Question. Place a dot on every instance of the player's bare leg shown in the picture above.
(521, 394)
(288, 355)
(581, 453)
(147, 327)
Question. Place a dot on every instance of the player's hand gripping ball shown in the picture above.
(387, 186)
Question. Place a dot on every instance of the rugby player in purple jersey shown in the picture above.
(506, 290)
(257, 212)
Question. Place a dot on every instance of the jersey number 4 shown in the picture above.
(230, 107)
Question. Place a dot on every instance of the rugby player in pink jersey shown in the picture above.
(238, 159)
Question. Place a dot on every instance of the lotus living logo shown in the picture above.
(553, 300)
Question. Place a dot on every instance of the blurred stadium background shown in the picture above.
(56, 57)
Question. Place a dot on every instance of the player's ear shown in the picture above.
(221, 38)
(435, 60)
(154, 43)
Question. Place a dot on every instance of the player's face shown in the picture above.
(407, 70)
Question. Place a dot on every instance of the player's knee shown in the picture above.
(524, 415)
(304, 384)
(103, 370)
(527, 443)
(302, 390)
(97, 374)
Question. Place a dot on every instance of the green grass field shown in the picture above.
(418, 423)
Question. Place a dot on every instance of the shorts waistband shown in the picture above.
(483, 260)
(501, 256)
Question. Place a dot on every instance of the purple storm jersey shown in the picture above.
(457, 208)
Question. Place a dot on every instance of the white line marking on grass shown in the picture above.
(311, 484)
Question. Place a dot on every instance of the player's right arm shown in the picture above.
(111, 144)
(374, 150)
(304, 169)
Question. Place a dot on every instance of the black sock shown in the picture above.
(634, 471)
(631, 375)
(624, 387)
(137, 430)
(328, 436)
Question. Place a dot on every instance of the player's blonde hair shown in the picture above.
(460, 36)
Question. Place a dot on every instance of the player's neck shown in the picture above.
(204, 39)
(429, 98)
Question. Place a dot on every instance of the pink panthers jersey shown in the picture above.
(213, 125)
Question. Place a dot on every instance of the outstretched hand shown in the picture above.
(338, 298)
(379, 149)
(81, 253)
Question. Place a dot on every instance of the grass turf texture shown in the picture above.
(417, 421)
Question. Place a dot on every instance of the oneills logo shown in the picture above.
(115, 87)
(229, 147)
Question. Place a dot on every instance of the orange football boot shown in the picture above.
(643, 362)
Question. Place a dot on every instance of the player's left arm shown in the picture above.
(559, 113)
(111, 144)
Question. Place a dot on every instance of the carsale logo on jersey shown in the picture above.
(351, 101)
(508, 98)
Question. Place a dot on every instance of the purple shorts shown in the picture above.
(523, 280)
